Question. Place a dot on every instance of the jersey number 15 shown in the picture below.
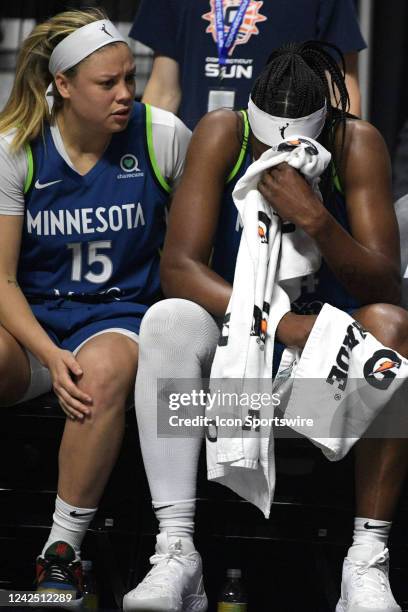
(93, 256)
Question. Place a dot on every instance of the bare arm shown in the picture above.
(15, 313)
(185, 273)
(367, 260)
(16, 316)
(163, 87)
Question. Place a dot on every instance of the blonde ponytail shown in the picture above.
(27, 109)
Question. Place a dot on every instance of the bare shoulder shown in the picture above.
(363, 152)
(222, 126)
(217, 139)
(222, 119)
(359, 134)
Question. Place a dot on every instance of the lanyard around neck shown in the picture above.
(225, 43)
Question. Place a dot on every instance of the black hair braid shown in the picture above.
(297, 80)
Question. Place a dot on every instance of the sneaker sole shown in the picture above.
(195, 603)
(152, 605)
(342, 607)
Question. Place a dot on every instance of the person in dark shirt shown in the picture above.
(184, 34)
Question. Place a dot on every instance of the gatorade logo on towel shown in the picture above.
(381, 369)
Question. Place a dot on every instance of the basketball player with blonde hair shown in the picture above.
(85, 176)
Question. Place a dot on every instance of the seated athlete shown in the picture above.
(356, 231)
(82, 217)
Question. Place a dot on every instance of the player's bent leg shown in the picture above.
(15, 371)
(388, 323)
(89, 448)
(382, 464)
(88, 451)
(381, 467)
(177, 340)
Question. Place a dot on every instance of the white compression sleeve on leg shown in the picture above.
(177, 340)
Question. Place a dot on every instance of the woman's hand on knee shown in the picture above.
(64, 370)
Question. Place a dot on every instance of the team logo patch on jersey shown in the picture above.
(249, 24)
(130, 165)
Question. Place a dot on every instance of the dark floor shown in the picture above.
(290, 563)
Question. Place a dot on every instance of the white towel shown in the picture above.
(269, 265)
(346, 382)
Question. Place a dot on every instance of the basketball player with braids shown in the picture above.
(356, 232)
(84, 184)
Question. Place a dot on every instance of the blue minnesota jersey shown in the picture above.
(318, 288)
(95, 236)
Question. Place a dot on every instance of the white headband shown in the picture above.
(81, 43)
(272, 130)
(77, 46)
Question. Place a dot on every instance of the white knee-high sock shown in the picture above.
(177, 340)
(70, 525)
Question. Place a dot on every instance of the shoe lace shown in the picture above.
(374, 583)
(59, 571)
(160, 576)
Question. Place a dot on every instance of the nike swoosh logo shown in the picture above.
(75, 513)
(162, 507)
(39, 185)
(368, 526)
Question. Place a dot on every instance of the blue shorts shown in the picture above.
(69, 323)
(278, 349)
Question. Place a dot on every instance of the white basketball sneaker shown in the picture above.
(365, 586)
(174, 584)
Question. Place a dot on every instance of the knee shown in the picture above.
(388, 323)
(108, 381)
(4, 361)
(4, 373)
(175, 322)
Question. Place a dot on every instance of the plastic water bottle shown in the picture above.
(232, 597)
(90, 601)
